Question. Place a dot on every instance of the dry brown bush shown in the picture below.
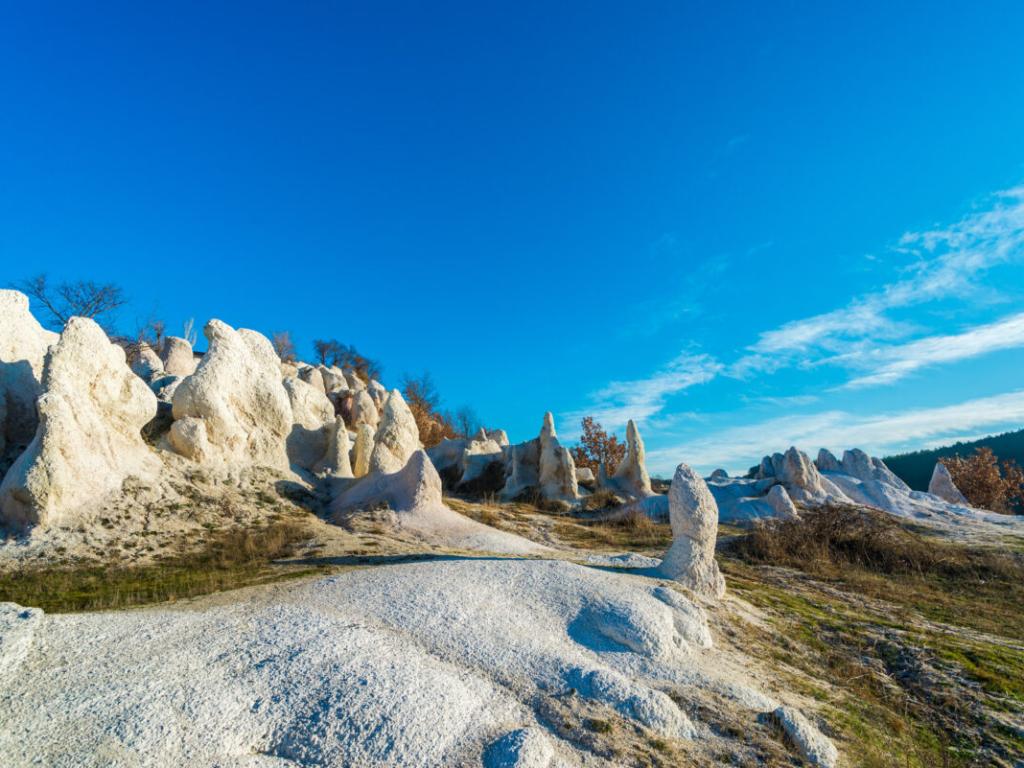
(828, 540)
(986, 484)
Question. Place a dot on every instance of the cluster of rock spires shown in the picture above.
(784, 480)
(74, 414)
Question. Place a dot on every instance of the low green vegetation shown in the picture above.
(912, 645)
(231, 558)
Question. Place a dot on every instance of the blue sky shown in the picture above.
(745, 227)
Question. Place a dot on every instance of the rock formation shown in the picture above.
(499, 436)
(178, 358)
(334, 379)
(336, 461)
(694, 518)
(397, 436)
(414, 486)
(23, 345)
(378, 392)
(631, 477)
(719, 474)
(312, 423)
(234, 408)
(482, 465)
(312, 376)
(557, 475)
(364, 410)
(826, 461)
(779, 500)
(522, 470)
(800, 476)
(942, 485)
(91, 413)
(362, 449)
(147, 365)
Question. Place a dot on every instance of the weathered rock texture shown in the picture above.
(779, 501)
(522, 470)
(942, 485)
(147, 364)
(631, 476)
(336, 461)
(801, 477)
(88, 441)
(364, 410)
(234, 408)
(178, 358)
(312, 423)
(397, 436)
(694, 518)
(362, 449)
(23, 345)
(557, 469)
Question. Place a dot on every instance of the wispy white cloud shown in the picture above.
(945, 262)
(891, 363)
(742, 446)
(640, 399)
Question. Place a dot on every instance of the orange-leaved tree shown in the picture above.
(985, 483)
(597, 446)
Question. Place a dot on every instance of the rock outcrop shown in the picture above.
(482, 465)
(312, 376)
(826, 461)
(336, 461)
(234, 408)
(779, 501)
(416, 486)
(942, 485)
(557, 475)
(801, 478)
(397, 436)
(521, 470)
(23, 345)
(361, 450)
(178, 358)
(631, 476)
(693, 515)
(364, 410)
(91, 413)
(312, 424)
(147, 364)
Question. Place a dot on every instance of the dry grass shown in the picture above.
(230, 559)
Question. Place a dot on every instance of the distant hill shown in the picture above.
(916, 468)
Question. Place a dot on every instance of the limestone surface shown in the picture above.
(397, 436)
(522, 470)
(779, 500)
(942, 485)
(89, 440)
(23, 345)
(631, 475)
(312, 422)
(362, 449)
(364, 410)
(557, 475)
(237, 394)
(177, 357)
(693, 515)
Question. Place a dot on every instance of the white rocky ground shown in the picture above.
(857, 479)
(423, 664)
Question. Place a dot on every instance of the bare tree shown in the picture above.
(466, 422)
(82, 298)
(282, 341)
(333, 352)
